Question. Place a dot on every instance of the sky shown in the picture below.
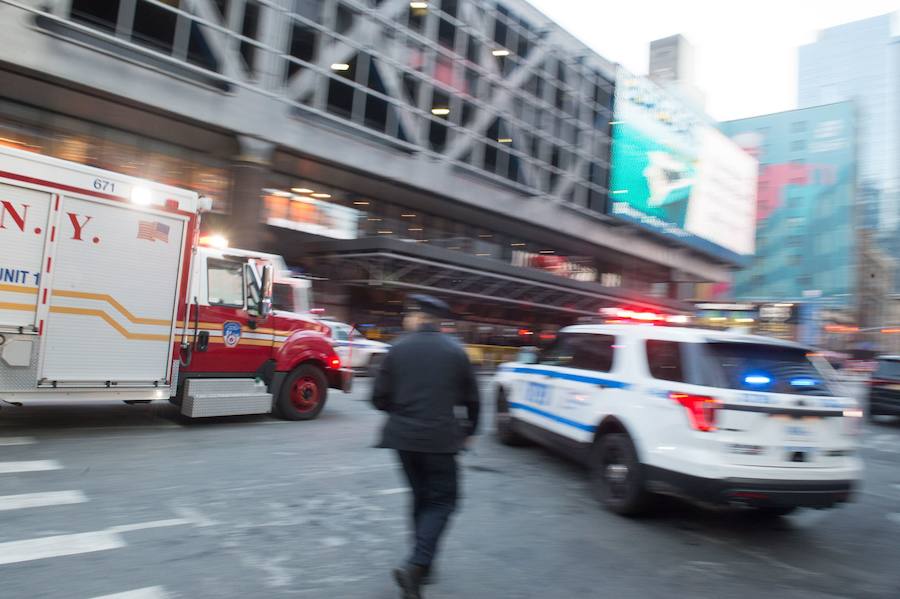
(746, 52)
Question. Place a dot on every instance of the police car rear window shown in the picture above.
(762, 367)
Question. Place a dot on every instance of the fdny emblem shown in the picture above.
(231, 333)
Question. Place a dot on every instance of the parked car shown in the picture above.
(354, 349)
(884, 387)
(712, 416)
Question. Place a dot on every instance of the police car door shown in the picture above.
(541, 393)
(584, 384)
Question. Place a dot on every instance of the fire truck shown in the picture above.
(106, 293)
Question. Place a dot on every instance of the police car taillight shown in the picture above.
(701, 410)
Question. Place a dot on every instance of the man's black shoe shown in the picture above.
(409, 578)
(430, 577)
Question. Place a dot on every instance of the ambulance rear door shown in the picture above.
(24, 217)
(115, 275)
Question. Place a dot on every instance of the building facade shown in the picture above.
(860, 61)
(364, 139)
(806, 205)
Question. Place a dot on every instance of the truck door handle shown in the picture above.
(203, 341)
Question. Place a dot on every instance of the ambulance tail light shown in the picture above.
(701, 410)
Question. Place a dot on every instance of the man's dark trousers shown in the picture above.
(433, 480)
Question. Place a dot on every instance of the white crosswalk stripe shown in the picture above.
(28, 466)
(10, 441)
(12, 552)
(47, 547)
(145, 593)
(46, 499)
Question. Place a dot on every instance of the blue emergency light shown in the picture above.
(804, 382)
(757, 380)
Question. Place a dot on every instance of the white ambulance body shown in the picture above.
(76, 241)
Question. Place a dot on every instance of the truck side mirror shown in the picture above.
(265, 300)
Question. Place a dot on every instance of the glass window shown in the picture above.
(561, 353)
(763, 367)
(102, 14)
(283, 297)
(581, 350)
(225, 283)
(664, 360)
(253, 294)
(339, 331)
(888, 369)
(593, 352)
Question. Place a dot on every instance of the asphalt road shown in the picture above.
(130, 502)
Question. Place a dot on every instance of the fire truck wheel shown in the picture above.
(303, 393)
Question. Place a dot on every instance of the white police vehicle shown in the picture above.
(716, 417)
(352, 347)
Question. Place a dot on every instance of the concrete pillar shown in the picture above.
(249, 175)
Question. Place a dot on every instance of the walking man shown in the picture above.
(424, 378)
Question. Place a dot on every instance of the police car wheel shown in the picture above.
(616, 475)
(303, 393)
(503, 422)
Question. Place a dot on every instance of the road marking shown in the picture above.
(8, 441)
(28, 500)
(396, 491)
(29, 466)
(12, 552)
(146, 525)
(145, 593)
(194, 516)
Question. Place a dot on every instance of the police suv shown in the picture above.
(711, 416)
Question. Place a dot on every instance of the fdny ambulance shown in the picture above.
(106, 293)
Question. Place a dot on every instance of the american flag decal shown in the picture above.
(153, 231)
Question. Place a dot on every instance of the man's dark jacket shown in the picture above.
(422, 380)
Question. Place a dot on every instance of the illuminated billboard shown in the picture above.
(309, 215)
(677, 175)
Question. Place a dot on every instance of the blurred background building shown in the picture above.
(673, 66)
(860, 61)
(806, 235)
(457, 146)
